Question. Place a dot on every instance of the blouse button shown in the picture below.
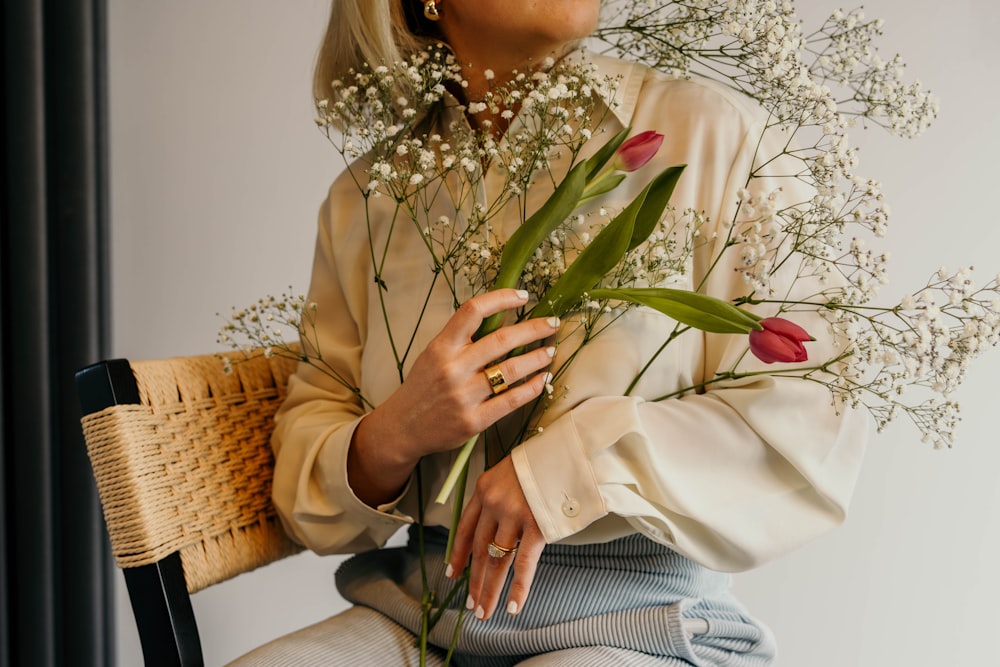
(571, 507)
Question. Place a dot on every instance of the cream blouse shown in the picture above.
(730, 477)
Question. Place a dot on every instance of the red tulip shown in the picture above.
(779, 340)
(637, 151)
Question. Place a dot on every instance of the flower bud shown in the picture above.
(779, 340)
(637, 151)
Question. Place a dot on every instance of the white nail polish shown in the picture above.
(551, 351)
(512, 608)
(470, 604)
(449, 571)
(522, 294)
(480, 613)
(548, 378)
(553, 322)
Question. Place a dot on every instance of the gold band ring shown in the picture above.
(497, 551)
(498, 383)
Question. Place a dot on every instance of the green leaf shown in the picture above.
(525, 240)
(628, 229)
(597, 161)
(700, 311)
(605, 183)
(660, 190)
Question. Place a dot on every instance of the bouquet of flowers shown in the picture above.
(904, 359)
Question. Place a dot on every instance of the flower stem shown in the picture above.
(799, 371)
(456, 506)
(458, 469)
(677, 331)
(460, 584)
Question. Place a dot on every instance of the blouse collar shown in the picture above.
(627, 76)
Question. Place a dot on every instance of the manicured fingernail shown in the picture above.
(449, 571)
(548, 378)
(470, 604)
(553, 322)
(522, 294)
(480, 613)
(512, 608)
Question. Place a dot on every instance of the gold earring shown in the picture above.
(431, 10)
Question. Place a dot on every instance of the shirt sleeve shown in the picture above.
(316, 421)
(732, 475)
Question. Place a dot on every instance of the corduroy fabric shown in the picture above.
(628, 598)
(362, 637)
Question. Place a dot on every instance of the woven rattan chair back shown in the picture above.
(180, 451)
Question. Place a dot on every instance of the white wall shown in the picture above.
(217, 175)
(217, 171)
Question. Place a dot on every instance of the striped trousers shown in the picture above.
(629, 602)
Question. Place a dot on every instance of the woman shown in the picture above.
(601, 539)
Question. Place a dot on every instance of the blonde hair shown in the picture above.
(376, 32)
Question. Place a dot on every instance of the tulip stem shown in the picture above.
(461, 464)
(678, 330)
(800, 373)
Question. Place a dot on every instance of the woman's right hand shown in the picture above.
(446, 398)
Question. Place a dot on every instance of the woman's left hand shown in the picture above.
(498, 512)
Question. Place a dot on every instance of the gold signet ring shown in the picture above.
(498, 383)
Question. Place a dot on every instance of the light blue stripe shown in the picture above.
(630, 594)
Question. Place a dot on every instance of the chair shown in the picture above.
(183, 465)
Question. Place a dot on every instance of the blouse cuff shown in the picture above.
(385, 516)
(557, 479)
(390, 507)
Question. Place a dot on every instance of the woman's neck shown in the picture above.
(481, 77)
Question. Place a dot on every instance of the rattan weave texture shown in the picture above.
(189, 468)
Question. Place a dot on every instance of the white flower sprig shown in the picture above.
(389, 118)
(816, 86)
(759, 47)
(910, 358)
(664, 256)
(267, 326)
